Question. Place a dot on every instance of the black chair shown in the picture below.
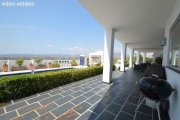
(136, 67)
(155, 69)
(143, 66)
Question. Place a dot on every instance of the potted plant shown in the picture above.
(158, 60)
(31, 66)
(50, 65)
(5, 67)
(38, 60)
(19, 62)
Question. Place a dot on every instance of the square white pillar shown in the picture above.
(123, 51)
(144, 57)
(131, 58)
(108, 55)
(90, 60)
(138, 58)
(173, 57)
(8, 63)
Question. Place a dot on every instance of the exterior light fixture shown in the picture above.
(163, 42)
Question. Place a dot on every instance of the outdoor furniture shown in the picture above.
(136, 67)
(143, 66)
(155, 89)
(155, 69)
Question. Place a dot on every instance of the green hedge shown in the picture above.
(15, 87)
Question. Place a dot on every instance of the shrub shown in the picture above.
(14, 87)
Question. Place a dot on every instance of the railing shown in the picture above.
(32, 65)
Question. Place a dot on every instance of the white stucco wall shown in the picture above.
(170, 22)
(172, 77)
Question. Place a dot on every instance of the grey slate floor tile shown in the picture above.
(124, 116)
(92, 100)
(77, 93)
(38, 98)
(82, 107)
(114, 108)
(1, 111)
(47, 116)
(28, 108)
(88, 116)
(50, 99)
(70, 115)
(62, 109)
(129, 108)
(78, 100)
(106, 116)
(8, 115)
(89, 94)
(64, 100)
(29, 116)
(140, 116)
(46, 108)
(15, 106)
(98, 108)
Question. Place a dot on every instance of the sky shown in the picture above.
(49, 27)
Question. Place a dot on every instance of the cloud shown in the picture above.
(23, 27)
(80, 50)
(49, 45)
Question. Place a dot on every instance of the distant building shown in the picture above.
(65, 63)
(83, 60)
(96, 58)
(117, 62)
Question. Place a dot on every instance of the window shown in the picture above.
(175, 45)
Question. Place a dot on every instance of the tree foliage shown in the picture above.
(74, 63)
(38, 60)
(19, 61)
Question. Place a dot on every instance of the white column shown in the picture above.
(178, 58)
(173, 57)
(144, 57)
(131, 58)
(8, 63)
(138, 58)
(154, 56)
(32, 61)
(123, 49)
(90, 60)
(102, 59)
(166, 50)
(108, 55)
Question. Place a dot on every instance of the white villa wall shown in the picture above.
(172, 77)
(12, 63)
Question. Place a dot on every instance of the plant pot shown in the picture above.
(18, 68)
(5, 68)
(30, 67)
(50, 66)
(41, 67)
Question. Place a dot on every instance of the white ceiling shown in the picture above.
(140, 23)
